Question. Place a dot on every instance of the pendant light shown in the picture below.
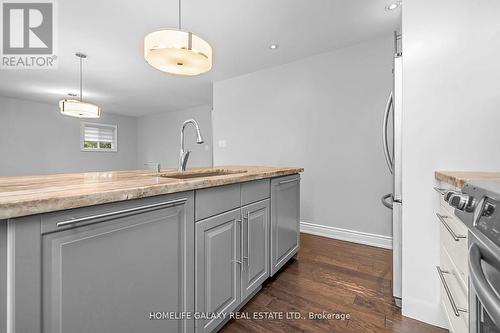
(77, 108)
(177, 52)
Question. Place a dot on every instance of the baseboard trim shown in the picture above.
(427, 312)
(347, 235)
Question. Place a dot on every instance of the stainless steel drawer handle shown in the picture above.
(441, 191)
(122, 211)
(241, 244)
(247, 217)
(447, 226)
(454, 306)
(288, 181)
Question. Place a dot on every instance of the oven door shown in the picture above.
(484, 290)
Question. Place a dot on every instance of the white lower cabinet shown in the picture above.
(453, 269)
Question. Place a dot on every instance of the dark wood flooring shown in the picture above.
(334, 277)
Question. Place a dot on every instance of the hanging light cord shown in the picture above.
(179, 14)
(81, 82)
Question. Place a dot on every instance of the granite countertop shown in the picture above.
(28, 195)
(459, 178)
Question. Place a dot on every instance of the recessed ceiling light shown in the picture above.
(273, 46)
(392, 6)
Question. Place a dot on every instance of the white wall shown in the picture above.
(323, 113)
(36, 139)
(158, 137)
(451, 106)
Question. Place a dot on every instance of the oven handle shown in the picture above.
(482, 288)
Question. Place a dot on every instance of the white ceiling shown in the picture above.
(117, 77)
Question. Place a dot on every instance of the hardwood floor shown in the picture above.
(334, 277)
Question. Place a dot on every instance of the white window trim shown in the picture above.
(114, 148)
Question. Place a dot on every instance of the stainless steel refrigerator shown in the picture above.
(392, 150)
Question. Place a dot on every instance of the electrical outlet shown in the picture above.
(222, 143)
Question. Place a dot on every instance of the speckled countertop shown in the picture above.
(459, 178)
(28, 195)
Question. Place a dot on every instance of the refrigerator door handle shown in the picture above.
(388, 158)
(388, 204)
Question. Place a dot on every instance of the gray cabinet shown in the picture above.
(231, 260)
(255, 244)
(3, 276)
(236, 251)
(123, 266)
(113, 276)
(105, 268)
(285, 216)
(218, 267)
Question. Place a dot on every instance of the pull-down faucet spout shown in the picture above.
(184, 154)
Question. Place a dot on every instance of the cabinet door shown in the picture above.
(255, 239)
(113, 276)
(218, 267)
(285, 216)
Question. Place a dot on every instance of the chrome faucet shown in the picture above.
(184, 154)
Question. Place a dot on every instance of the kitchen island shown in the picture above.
(133, 251)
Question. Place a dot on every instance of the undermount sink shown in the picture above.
(200, 174)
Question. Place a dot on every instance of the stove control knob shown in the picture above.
(462, 202)
(447, 195)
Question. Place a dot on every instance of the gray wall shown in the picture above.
(158, 137)
(36, 139)
(323, 113)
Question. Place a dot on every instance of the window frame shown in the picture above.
(114, 144)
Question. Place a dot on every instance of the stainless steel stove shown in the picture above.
(478, 206)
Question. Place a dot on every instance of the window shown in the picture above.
(98, 137)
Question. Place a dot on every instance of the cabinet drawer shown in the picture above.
(70, 218)
(458, 321)
(215, 200)
(453, 237)
(254, 191)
